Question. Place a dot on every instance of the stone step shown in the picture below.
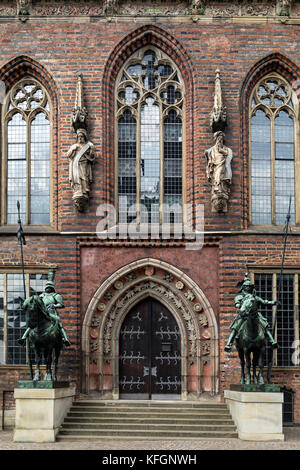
(145, 434)
(203, 436)
(145, 427)
(141, 420)
(138, 420)
(148, 404)
(147, 410)
(161, 415)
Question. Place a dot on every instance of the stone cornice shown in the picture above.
(198, 10)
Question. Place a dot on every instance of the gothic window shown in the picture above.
(26, 152)
(12, 317)
(149, 145)
(273, 117)
(269, 286)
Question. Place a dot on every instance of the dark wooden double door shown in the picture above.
(149, 353)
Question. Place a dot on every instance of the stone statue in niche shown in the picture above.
(110, 7)
(81, 157)
(198, 6)
(283, 7)
(23, 9)
(82, 154)
(218, 171)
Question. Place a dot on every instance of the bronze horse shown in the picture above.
(45, 337)
(251, 342)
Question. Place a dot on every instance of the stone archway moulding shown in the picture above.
(181, 295)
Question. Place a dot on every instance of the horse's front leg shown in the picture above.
(38, 360)
(55, 361)
(261, 366)
(248, 366)
(254, 364)
(242, 362)
(48, 360)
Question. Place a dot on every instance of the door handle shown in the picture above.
(153, 371)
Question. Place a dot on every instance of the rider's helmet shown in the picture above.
(50, 284)
(247, 285)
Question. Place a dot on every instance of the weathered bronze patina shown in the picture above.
(250, 329)
(45, 331)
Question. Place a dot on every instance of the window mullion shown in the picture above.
(162, 158)
(5, 322)
(27, 287)
(274, 315)
(273, 188)
(296, 306)
(297, 171)
(28, 171)
(4, 173)
(116, 160)
(138, 162)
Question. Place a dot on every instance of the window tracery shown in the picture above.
(26, 151)
(149, 126)
(273, 151)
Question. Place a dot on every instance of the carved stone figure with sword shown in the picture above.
(81, 157)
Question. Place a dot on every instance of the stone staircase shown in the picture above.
(132, 420)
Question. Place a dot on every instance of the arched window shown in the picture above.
(149, 145)
(273, 120)
(26, 152)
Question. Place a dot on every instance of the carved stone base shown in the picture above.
(219, 203)
(80, 203)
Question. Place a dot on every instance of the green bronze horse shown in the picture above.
(44, 336)
(251, 342)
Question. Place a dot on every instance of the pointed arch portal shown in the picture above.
(161, 290)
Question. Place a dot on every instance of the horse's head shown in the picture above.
(32, 306)
(247, 304)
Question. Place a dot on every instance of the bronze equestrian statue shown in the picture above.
(250, 329)
(45, 331)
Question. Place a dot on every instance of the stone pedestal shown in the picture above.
(257, 415)
(40, 412)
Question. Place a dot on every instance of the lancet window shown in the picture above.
(149, 144)
(26, 154)
(273, 136)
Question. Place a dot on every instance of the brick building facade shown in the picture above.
(102, 280)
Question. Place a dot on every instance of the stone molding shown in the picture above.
(174, 289)
(197, 8)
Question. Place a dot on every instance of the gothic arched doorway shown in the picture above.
(149, 353)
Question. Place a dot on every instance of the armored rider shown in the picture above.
(51, 301)
(246, 289)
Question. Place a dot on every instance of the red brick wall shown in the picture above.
(57, 50)
(52, 52)
(99, 263)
